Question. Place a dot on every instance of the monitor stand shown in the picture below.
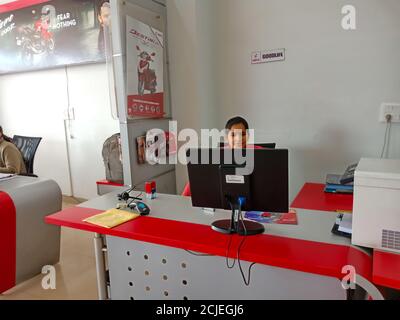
(236, 226)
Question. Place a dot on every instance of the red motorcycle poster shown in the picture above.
(145, 76)
(40, 34)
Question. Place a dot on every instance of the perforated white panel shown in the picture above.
(145, 272)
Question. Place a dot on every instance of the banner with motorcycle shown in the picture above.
(55, 33)
(145, 70)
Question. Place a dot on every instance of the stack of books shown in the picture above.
(333, 185)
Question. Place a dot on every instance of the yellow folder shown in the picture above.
(112, 218)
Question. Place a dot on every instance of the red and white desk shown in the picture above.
(386, 266)
(153, 257)
(27, 243)
(104, 187)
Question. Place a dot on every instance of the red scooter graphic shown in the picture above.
(36, 40)
(147, 79)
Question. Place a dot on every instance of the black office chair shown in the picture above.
(266, 145)
(262, 145)
(28, 147)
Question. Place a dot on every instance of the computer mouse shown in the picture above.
(142, 208)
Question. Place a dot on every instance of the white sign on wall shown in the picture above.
(267, 56)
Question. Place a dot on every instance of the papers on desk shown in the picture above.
(289, 218)
(112, 218)
(346, 224)
(343, 225)
(6, 176)
(333, 185)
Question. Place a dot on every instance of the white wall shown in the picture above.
(192, 62)
(322, 102)
(33, 104)
(193, 85)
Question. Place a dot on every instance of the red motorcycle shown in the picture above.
(35, 41)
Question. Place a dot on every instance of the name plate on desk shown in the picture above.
(231, 179)
(209, 211)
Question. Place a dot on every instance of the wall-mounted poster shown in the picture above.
(145, 76)
(48, 34)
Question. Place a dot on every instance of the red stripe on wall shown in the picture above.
(8, 255)
(19, 4)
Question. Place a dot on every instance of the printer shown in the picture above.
(376, 210)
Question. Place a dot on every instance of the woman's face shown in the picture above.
(104, 16)
(237, 136)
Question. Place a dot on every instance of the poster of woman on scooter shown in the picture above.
(145, 61)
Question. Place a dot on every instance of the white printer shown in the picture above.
(376, 210)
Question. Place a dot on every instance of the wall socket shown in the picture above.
(390, 108)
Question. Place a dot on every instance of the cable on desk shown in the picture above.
(133, 200)
(227, 254)
(228, 249)
(199, 254)
(246, 281)
(131, 189)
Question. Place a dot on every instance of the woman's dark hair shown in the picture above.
(8, 139)
(101, 4)
(236, 120)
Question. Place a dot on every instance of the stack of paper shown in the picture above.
(346, 224)
(333, 185)
(6, 176)
(111, 218)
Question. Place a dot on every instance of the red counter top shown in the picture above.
(313, 197)
(386, 269)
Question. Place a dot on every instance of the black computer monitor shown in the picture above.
(220, 186)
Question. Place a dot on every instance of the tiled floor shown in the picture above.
(75, 274)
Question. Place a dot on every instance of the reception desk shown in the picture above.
(174, 254)
(27, 242)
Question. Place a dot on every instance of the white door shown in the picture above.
(92, 124)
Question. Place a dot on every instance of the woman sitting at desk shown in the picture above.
(237, 132)
(11, 160)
